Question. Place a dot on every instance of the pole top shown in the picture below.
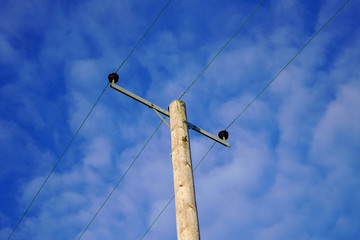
(179, 101)
(113, 77)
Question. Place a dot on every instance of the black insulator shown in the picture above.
(113, 77)
(223, 134)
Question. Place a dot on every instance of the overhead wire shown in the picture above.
(88, 114)
(122, 177)
(172, 198)
(58, 161)
(147, 30)
(119, 181)
(292, 59)
(206, 67)
(142, 149)
(250, 103)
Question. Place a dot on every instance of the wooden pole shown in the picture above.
(186, 213)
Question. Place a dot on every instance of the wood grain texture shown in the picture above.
(185, 203)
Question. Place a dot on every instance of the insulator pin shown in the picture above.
(223, 135)
(113, 77)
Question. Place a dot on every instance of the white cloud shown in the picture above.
(291, 171)
(336, 136)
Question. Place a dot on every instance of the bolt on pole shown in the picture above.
(186, 212)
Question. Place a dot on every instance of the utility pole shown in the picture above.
(186, 212)
(187, 224)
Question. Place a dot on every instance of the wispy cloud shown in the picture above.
(292, 169)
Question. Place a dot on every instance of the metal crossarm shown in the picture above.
(166, 113)
(140, 99)
(209, 135)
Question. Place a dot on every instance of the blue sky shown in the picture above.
(293, 168)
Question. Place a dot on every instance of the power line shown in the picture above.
(233, 121)
(120, 180)
(287, 64)
(52, 170)
(58, 161)
(172, 198)
(167, 204)
(143, 35)
(132, 163)
(107, 198)
(221, 49)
